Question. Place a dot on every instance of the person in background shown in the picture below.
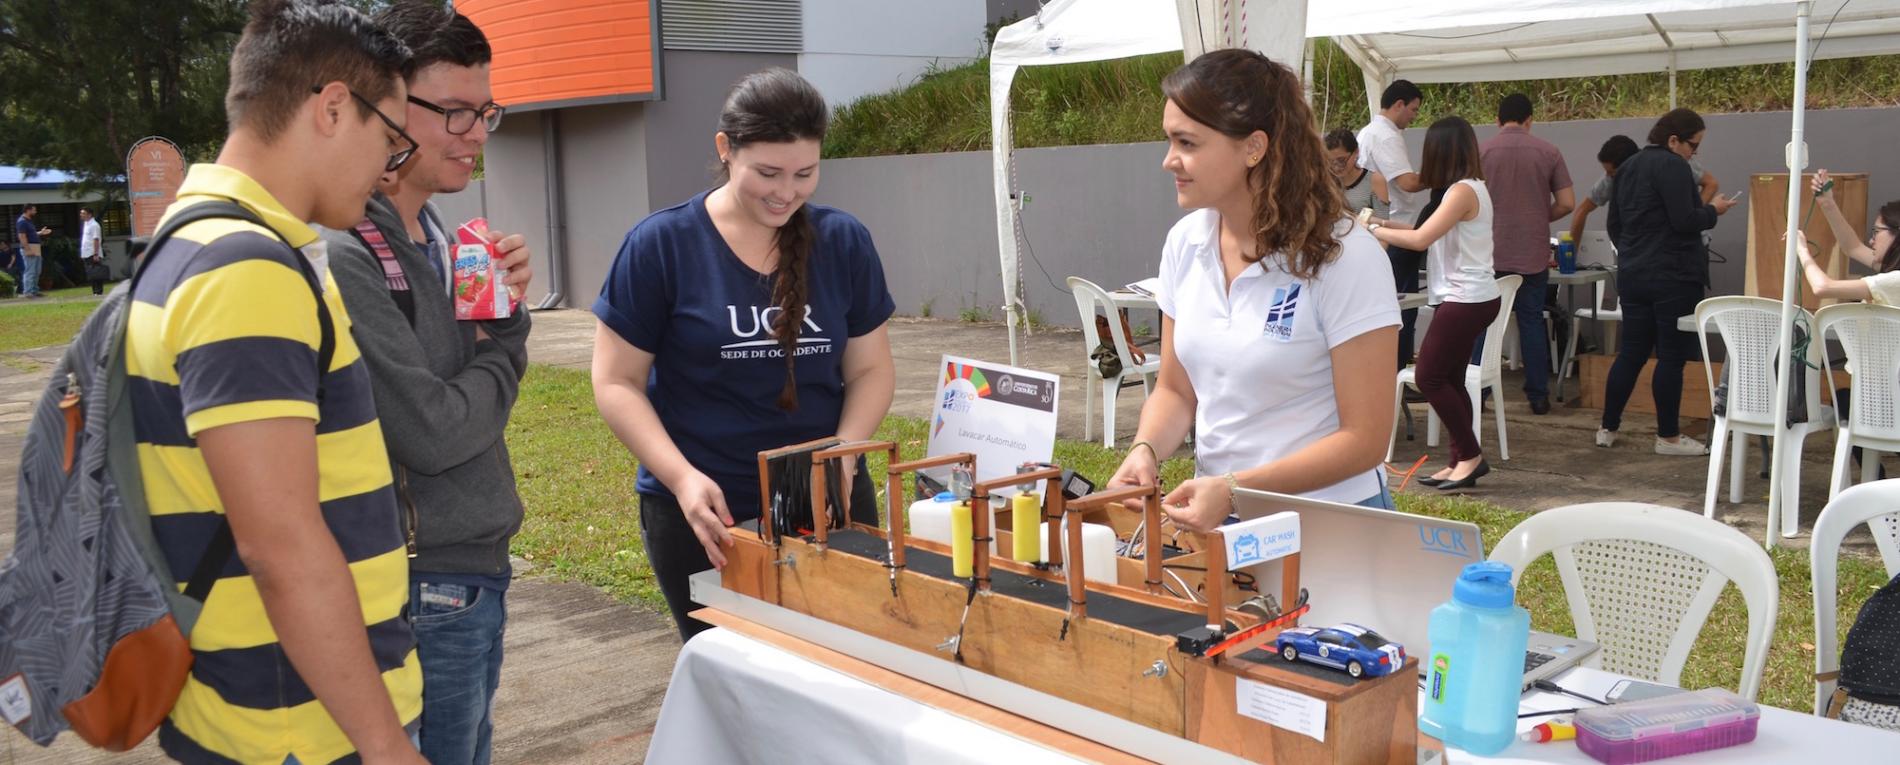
(1611, 156)
(1279, 325)
(28, 233)
(1361, 187)
(1461, 283)
(1530, 189)
(741, 320)
(1382, 151)
(445, 389)
(1657, 217)
(1880, 252)
(92, 251)
(10, 261)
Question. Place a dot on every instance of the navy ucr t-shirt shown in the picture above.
(677, 291)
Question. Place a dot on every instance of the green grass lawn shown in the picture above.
(28, 324)
(582, 525)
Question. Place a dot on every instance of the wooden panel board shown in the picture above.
(925, 693)
(1696, 402)
(1768, 220)
(1096, 664)
(1372, 721)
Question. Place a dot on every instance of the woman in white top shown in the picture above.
(1280, 327)
(1457, 238)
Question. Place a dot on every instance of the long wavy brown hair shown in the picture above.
(1296, 202)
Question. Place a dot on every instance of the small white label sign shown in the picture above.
(1281, 708)
(16, 703)
(1261, 539)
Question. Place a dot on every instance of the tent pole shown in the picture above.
(1797, 155)
(1672, 81)
(1306, 70)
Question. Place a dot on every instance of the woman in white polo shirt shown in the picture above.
(1280, 327)
(1457, 240)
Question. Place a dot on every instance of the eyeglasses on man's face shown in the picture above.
(459, 121)
(398, 157)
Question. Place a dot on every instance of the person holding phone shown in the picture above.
(1657, 217)
(29, 233)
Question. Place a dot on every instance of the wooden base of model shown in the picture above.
(1109, 647)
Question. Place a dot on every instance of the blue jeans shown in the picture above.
(458, 639)
(30, 280)
(1382, 500)
(1532, 336)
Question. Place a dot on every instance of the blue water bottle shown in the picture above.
(1566, 254)
(1476, 668)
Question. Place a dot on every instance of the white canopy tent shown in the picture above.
(1455, 40)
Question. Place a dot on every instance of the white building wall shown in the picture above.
(855, 48)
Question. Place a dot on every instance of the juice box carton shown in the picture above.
(479, 294)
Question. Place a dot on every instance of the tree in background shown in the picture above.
(81, 80)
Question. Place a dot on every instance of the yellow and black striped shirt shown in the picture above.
(224, 330)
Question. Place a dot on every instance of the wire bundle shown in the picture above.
(789, 480)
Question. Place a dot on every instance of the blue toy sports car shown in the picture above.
(1359, 651)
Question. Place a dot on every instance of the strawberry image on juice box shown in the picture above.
(479, 294)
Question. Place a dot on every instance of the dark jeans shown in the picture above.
(1650, 311)
(1533, 337)
(675, 553)
(458, 640)
(1405, 265)
(1442, 362)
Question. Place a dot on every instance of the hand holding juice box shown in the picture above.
(479, 295)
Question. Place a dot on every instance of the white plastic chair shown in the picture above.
(1870, 335)
(1641, 580)
(1613, 313)
(1477, 378)
(1091, 299)
(1748, 329)
(1876, 504)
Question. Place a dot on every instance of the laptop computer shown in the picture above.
(1387, 570)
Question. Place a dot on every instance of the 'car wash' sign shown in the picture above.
(1262, 539)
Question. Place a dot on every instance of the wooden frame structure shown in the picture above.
(1119, 648)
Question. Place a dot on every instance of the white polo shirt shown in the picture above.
(1382, 150)
(1260, 356)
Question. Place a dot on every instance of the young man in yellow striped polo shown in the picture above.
(302, 653)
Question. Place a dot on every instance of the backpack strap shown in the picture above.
(124, 441)
(373, 240)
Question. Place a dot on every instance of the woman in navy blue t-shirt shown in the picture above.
(741, 320)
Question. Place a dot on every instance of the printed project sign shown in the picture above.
(1004, 415)
(1261, 539)
(154, 169)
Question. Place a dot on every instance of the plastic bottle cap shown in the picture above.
(945, 496)
(1485, 585)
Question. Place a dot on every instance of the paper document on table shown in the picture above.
(1281, 708)
(1146, 287)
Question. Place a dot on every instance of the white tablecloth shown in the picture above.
(737, 700)
(1783, 738)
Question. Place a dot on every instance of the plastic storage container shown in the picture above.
(1683, 723)
(1476, 668)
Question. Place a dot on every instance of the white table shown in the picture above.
(1127, 299)
(1784, 736)
(734, 698)
(1570, 282)
(1411, 300)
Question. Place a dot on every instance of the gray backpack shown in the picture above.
(94, 635)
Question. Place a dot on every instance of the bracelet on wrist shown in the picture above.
(1145, 445)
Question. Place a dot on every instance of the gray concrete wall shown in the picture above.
(513, 192)
(604, 163)
(1101, 212)
(680, 129)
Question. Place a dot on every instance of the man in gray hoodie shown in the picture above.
(443, 388)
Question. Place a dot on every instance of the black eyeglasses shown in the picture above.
(396, 158)
(1694, 146)
(1879, 228)
(461, 120)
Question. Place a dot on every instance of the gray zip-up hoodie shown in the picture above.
(442, 397)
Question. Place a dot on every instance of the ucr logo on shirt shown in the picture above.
(761, 320)
(1286, 302)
